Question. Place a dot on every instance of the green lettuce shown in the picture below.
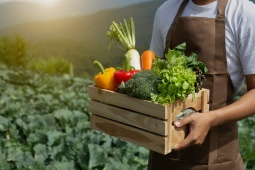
(180, 75)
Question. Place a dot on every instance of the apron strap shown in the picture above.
(221, 8)
(181, 9)
(171, 29)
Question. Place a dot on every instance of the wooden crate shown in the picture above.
(141, 122)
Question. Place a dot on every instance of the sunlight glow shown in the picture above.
(48, 2)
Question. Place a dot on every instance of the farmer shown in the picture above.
(222, 34)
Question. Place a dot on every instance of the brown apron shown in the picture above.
(220, 150)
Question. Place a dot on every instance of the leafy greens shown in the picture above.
(180, 75)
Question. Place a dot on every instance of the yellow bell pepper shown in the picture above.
(105, 78)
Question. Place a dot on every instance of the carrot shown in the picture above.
(147, 59)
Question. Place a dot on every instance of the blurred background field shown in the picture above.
(78, 38)
(46, 55)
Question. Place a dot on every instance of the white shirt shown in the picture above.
(240, 32)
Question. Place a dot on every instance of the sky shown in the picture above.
(34, 1)
(54, 2)
(78, 5)
(16, 13)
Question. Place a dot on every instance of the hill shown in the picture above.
(18, 12)
(81, 39)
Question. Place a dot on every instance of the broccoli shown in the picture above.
(141, 85)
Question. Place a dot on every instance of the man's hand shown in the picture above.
(199, 125)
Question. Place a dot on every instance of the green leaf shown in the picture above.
(37, 137)
(62, 166)
(13, 151)
(63, 115)
(97, 156)
(54, 137)
(181, 47)
(4, 124)
(185, 85)
(40, 153)
(56, 152)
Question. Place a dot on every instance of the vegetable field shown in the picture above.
(44, 125)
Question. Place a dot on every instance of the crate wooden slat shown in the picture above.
(124, 101)
(138, 121)
(129, 133)
(130, 117)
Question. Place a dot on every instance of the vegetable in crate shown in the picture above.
(105, 78)
(141, 85)
(179, 75)
(199, 68)
(124, 75)
(123, 35)
(147, 59)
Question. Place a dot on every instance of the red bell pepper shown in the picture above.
(124, 74)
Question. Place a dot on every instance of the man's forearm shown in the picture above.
(242, 108)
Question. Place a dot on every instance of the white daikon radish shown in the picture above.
(123, 36)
